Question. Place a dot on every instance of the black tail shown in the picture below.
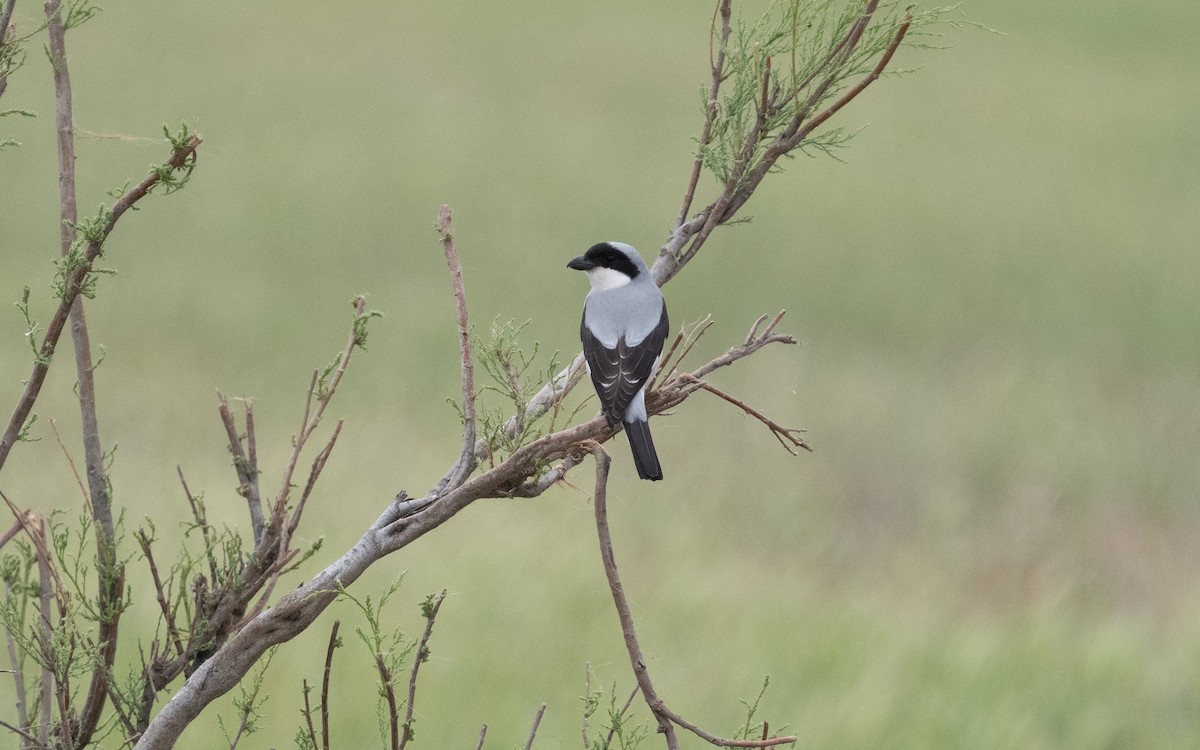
(642, 446)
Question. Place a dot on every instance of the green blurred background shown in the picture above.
(995, 542)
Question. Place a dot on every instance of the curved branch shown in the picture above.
(667, 719)
(181, 158)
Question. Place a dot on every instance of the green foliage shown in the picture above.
(79, 12)
(24, 435)
(360, 327)
(618, 726)
(389, 647)
(514, 378)
(88, 233)
(249, 701)
(792, 53)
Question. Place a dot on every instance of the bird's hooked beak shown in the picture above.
(581, 264)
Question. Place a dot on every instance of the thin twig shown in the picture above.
(389, 693)
(724, 10)
(612, 730)
(25, 735)
(466, 460)
(36, 525)
(787, 436)
(333, 641)
(314, 474)
(312, 734)
(245, 466)
(201, 519)
(71, 462)
(12, 531)
(160, 594)
(587, 700)
(533, 730)
(482, 734)
(858, 88)
(421, 657)
(18, 671)
(323, 398)
(666, 717)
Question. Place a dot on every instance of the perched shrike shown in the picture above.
(624, 327)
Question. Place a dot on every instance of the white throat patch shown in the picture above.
(603, 279)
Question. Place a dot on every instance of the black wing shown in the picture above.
(618, 374)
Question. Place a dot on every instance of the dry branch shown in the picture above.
(333, 642)
(537, 720)
(467, 459)
(667, 719)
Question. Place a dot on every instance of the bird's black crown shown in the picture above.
(605, 255)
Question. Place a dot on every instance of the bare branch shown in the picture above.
(533, 730)
(245, 466)
(160, 593)
(312, 734)
(666, 717)
(36, 527)
(27, 737)
(17, 672)
(637, 661)
(12, 531)
(201, 519)
(333, 641)
(421, 656)
(467, 459)
(323, 398)
(71, 462)
(787, 436)
(482, 734)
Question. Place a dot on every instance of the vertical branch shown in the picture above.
(618, 594)
(724, 10)
(389, 693)
(17, 672)
(667, 719)
(37, 525)
(107, 569)
(422, 655)
(333, 642)
(466, 461)
(245, 465)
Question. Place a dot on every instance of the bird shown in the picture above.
(623, 330)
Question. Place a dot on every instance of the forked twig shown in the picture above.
(787, 436)
(245, 465)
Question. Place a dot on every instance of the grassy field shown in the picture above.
(994, 544)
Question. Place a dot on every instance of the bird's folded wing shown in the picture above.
(619, 373)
